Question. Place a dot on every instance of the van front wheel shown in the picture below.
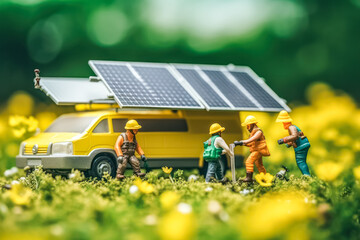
(101, 165)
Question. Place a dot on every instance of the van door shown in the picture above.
(101, 136)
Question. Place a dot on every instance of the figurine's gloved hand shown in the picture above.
(240, 143)
(281, 141)
(120, 159)
(143, 158)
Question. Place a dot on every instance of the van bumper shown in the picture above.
(54, 162)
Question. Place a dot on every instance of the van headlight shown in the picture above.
(62, 148)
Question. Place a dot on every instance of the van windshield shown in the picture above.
(70, 124)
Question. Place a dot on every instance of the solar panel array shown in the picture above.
(173, 86)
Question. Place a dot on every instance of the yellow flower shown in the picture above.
(19, 133)
(167, 170)
(32, 124)
(177, 225)
(20, 195)
(328, 171)
(264, 180)
(357, 172)
(274, 214)
(144, 186)
(168, 199)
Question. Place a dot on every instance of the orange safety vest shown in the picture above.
(258, 145)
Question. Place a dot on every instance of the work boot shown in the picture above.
(248, 177)
(120, 176)
(140, 174)
(224, 180)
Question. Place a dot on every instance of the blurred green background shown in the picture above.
(289, 43)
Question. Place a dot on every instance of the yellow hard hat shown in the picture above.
(215, 127)
(249, 120)
(132, 124)
(284, 117)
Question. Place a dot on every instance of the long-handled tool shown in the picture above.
(232, 163)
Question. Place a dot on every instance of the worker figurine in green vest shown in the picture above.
(214, 147)
(297, 140)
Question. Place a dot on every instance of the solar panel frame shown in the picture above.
(176, 68)
(262, 84)
(132, 68)
(221, 68)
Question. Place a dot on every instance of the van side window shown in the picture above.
(102, 127)
(163, 125)
(119, 125)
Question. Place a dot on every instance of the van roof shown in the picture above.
(127, 112)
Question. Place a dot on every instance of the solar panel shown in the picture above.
(237, 98)
(256, 90)
(206, 92)
(144, 85)
(70, 91)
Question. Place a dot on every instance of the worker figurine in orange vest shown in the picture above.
(125, 148)
(297, 140)
(257, 145)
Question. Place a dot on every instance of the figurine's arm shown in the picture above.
(293, 135)
(219, 142)
(256, 136)
(118, 144)
(139, 150)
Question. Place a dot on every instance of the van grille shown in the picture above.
(42, 150)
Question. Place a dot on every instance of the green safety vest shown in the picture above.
(211, 153)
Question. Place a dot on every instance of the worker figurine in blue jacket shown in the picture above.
(297, 140)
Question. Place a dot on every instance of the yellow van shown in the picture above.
(85, 140)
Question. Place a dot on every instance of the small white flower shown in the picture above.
(133, 189)
(14, 182)
(150, 220)
(3, 209)
(184, 208)
(313, 201)
(214, 207)
(193, 178)
(208, 189)
(251, 190)
(224, 216)
(245, 192)
(72, 175)
(22, 179)
(57, 230)
(7, 173)
(306, 200)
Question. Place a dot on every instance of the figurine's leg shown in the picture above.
(210, 171)
(249, 164)
(135, 164)
(260, 165)
(121, 168)
(219, 172)
(300, 157)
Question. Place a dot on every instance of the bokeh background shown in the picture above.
(308, 52)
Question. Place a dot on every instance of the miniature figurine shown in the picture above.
(214, 147)
(282, 173)
(125, 148)
(257, 145)
(297, 140)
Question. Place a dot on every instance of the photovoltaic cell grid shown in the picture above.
(235, 96)
(169, 90)
(126, 87)
(203, 88)
(263, 97)
(156, 87)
